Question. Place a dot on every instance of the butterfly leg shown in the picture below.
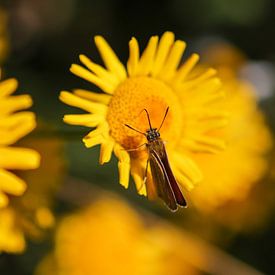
(135, 149)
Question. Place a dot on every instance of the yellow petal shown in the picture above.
(186, 68)
(18, 158)
(15, 103)
(3, 200)
(15, 119)
(187, 167)
(184, 181)
(100, 98)
(110, 59)
(123, 165)
(12, 135)
(105, 75)
(88, 120)
(132, 63)
(7, 87)
(96, 136)
(138, 174)
(146, 61)
(106, 150)
(89, 76)
(11, 184)
(84, 104)
(198, 80)
(164, 47)
(173, 60)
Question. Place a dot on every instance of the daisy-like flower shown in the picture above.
(153, 80)
(132, 248)
(13, 126)
(244, 162)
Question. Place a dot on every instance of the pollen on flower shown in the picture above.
(128, 102)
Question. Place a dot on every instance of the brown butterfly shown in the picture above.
(163, 179)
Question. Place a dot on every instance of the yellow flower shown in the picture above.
(113, 239)
(154, 81)
(13, 126)
(230, 175)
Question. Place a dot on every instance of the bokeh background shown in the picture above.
(42, 38)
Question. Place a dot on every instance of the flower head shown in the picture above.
(153, 80)
(114, 239)
(244, 162)
(13, 126)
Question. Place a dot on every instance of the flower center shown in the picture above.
(126, 107)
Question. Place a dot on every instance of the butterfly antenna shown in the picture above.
(127, 125)
(148, 119)
(166, 112)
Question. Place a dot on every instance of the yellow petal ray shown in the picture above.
(100, 98)
(106, 150)
(12, 135)
(97, 136)
(164, 47)
(196, 147)
(184, 181)
(102, 73)
(132, 63)
(17, 118)
(15, 103)
(7, 87)
(210, 125)
(123, 165)
(11, 183)
(186, 68)
(110, 59)
(81, 103)
(173, 60)
(89, 76)
(88, 120)
(146, 61)
(92, 141)
(187, 167)
(18, 158)
(202, 77)
(137, 172)
(4, 200)
(213, 142)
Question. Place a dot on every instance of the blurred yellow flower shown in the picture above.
(31, 215)
(111, 238)
(13, 126)
(153, 81)
(230, 175)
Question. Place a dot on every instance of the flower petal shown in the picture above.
(146, 61)
(18, 158)
(132, 63)
(11, 184)
(87, 120)
(166, 41)
(100, 98)
(7, 87)
(84, 104)
(123, 165)
(110, 59)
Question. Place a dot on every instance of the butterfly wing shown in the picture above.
(160, 181)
